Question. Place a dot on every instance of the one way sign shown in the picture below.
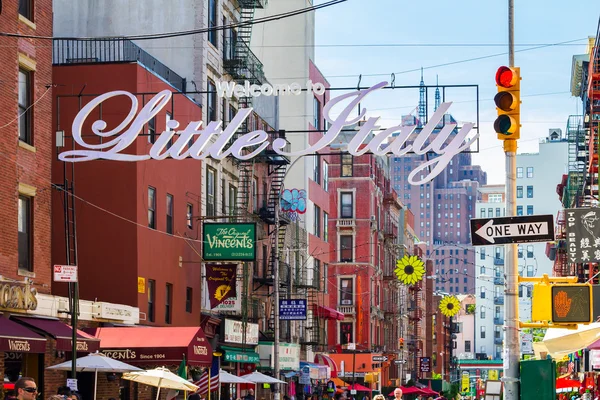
(531, 228)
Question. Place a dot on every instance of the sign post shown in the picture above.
(65, 273)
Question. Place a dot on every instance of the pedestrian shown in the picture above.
(26, 389)
(397, 394)
(56, 397)
(379, 397)
(250, 395)
(64, 391)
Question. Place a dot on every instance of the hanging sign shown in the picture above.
(220, 279)
(445, 144)
(292, 309)
(229, 242)
(583, 235)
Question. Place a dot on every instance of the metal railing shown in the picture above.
(71, 51)
(345, 309)
(242, 63)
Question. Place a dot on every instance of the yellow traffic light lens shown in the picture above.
(506, 77)
(505, 125)
(506, 101)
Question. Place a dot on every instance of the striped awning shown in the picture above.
(326, 360)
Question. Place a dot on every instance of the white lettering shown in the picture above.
(444, 144)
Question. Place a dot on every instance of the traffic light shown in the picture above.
(508, 103)
(401, 343)
(572, 303)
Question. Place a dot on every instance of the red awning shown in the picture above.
(16, 338)
(326, 360)
(63, 334)
(155, 345)
(328, 313)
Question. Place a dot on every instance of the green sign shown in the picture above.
(229, 242)
(249, 357)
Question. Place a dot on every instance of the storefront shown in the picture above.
(289, 365)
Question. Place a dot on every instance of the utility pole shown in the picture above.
(511, 307)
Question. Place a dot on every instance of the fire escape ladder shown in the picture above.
(594, 98)
(246, 175)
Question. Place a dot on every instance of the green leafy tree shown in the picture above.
(538, 333)
(471, 308)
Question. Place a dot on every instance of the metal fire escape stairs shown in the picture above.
(594, 124)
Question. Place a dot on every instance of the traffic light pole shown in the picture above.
(511, 303)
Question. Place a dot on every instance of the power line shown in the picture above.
(166, 35)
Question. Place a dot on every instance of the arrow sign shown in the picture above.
(523, 229)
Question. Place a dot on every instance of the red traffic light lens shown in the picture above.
(505, 101)
(505, 125)
(506, 77)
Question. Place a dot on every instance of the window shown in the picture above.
(26, 9)
(482, 253)
(483, 332)
(168, 302)
(519, 210)
(212, 22)
(211, 180)
(345, 248)
(495, 198)
(325, 176)
(151, 208)
(530, 192)
(482, 212)
(467, 346)
(152, 130)
(188, 299)
(211, 100)
(170, 213)
(25, 234)
(346, 333)
(317, 113)
(224, 199)
(529, 210)
(265, 261)
(317, 170)
(530, 251)
(346, 165)
(346, 291)
(497, 212)
(232, 198)
(530, 172)
(519, 192)
(168, 117)
(482, 312)
(255, 194)
(530, 270)
(151, 299)
(347, 205)
(520, 251)
(24, 104)
(317, 274)
(325, 227)
(317, 221)
(482, 293)
(519, 172)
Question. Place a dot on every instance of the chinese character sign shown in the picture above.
(292, 309)
(583, 235)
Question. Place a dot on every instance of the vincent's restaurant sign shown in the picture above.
(392, 140)
(229, 242)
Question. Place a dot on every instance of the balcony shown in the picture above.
(69, 52)
(252, 3)
(346, 223)
(498, 261)
(241, 63)
(498, 340)
(498, 321)
(498, 280)
(498, 300)
(345, 309)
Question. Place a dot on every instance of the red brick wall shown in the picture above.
(16, 163)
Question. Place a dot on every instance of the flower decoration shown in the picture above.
(450, 306)
(409, 270)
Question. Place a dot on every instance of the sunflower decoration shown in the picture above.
(410, 270)
(450, 306)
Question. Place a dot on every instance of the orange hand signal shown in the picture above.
(562, 304)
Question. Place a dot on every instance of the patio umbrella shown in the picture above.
(226, 377)
(161, 378)
(96, 362)
(359, 387)
(257, 377)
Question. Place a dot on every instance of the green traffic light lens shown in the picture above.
(504, 125)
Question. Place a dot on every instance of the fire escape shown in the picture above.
(591, 190)
(242, 65)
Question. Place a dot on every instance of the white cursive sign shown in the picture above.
(256, 141)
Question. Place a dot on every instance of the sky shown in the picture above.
(351, 38)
